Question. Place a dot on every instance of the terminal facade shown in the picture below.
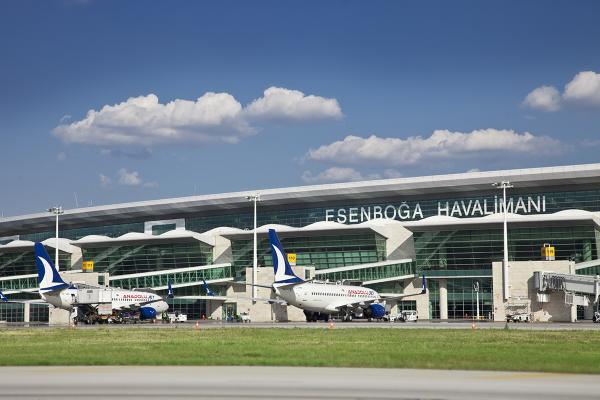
(384, 234)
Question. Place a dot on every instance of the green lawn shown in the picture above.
(552, 351)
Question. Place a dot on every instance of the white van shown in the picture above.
(408, 316)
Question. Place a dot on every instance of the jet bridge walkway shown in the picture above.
(577, 288)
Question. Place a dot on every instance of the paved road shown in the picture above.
(287, 383)
(209, 324)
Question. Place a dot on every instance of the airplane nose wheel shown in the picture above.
(347, 317)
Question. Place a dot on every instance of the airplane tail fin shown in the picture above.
(283, 271)
(423, 285)
(170, 294)
(3, 297)
(48, 277)
(208, 291)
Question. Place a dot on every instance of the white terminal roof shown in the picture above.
(319, 228)
(530, 179)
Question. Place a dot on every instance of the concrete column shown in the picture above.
(443, 299)
(26, 310)
(589, 310)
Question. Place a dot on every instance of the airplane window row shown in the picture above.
(326, 294)
(336, 294)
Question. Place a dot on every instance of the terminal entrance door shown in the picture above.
(229, 311)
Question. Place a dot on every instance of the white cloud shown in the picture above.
(544, 98)
(213, 117)
(105, 181)
(132, 178)
(281, 103)
(346, 174)
(129, 178)
(441, 144)
(584, 88)
(334, 174)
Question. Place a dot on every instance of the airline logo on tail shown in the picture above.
(48, 277)
(283, 270)
(170, 294)
(3, 297)
(208, 291)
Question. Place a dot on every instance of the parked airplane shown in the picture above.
(54, 290)
(320, 300)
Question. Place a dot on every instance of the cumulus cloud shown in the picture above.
(126, 177)
(105, 181)
(280, 103)
(213, 117)
(129, 178)
(333, 174)
(544, 98)
(441, 144)
(584, 88)
(346, 174)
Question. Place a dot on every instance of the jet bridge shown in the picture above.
(577, 288)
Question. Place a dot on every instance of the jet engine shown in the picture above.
(147, 313)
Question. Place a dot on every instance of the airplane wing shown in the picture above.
(225, 298)
(394, 296)
(4, 299)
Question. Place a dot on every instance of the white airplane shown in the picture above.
(320, 300)
(54, 290)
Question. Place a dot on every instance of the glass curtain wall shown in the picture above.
(131, 259)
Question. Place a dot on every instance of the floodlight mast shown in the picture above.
(56, 210)
(504, 185)
(254, 198)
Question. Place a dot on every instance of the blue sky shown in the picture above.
(359, 90)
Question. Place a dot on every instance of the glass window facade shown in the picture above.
(322, 252)
(372, 273)
(465, 252)
(160, 229)
(77, 233)
(175, 278)
(132, 259)
(11, 312)
(23, 262)
(462, 299)
(38, 313)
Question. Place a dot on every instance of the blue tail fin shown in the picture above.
(48, 277)
(283, 270)
(3, 297)
(423, 285)
(170, 294)
(208, 291)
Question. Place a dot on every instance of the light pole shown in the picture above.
(476, 289)
(504, 185)
(57, 210)
(255, 198)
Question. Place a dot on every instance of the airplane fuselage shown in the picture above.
(120, 299)
(326, 298)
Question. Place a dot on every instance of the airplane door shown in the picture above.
(303, 294)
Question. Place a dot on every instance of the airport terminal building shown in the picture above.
(383, 234)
